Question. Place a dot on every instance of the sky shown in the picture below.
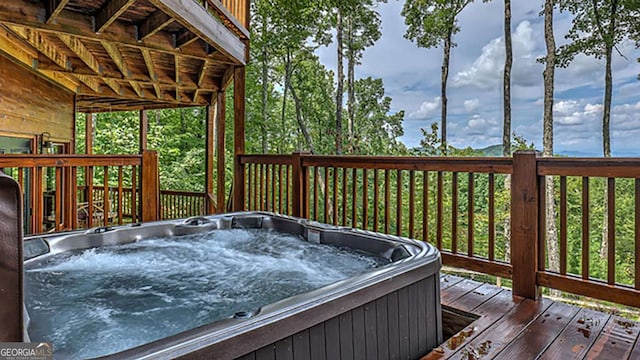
(411, 77)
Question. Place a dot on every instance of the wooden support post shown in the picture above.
(524, 224)
(300, 179)
(221, 105)
(88, 134)
(88, 149)
(210, 206)
(238, 137)
(150, 191)
(144, 127)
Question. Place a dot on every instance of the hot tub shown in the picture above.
(391, 310)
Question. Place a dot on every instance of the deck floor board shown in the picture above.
(509, 327)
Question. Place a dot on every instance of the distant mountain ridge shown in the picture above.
(496, 150)
(491, 150)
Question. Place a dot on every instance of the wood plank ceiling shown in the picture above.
(126, 54)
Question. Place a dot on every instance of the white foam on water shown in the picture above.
(104, 300)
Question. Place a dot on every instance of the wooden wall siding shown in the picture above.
(125, 54)
(399, 325)
(29, 105)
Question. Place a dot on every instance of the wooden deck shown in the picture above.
(517, 328)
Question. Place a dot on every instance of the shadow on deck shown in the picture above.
(512, 328)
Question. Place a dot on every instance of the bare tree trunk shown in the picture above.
(351, 94)
(443, 91)
(340, 87)
(506, 125)
(547, 141)
(508, 62)
(301, 124)
(606, 119)
(265, 84)
(287, 73)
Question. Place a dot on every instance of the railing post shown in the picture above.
(150, 189)
(300, 179)
(524, 224)
(238, 138)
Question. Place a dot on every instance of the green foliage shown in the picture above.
(598, 27)
(376, 131)
(177, 134)
(430, 22)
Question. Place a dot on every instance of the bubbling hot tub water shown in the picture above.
(103, 300)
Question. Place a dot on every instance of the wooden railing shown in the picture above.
(403, 196)
(181, 204)
(484, 214)
(173, 204)
(599, 246)
(48, 182)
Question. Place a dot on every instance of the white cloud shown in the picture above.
(572, 113)
(426, 110)
(565, 107)
(472, 105)
(478, 125)
(486, 71)
(625, 118)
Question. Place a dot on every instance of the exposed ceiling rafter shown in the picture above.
(110, 12)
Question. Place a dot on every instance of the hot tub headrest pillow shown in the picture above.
(11, 297)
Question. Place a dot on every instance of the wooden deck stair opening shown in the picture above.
(511, 327)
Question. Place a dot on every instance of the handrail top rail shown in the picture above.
(67, 160)
(419, 163)
(591, 167)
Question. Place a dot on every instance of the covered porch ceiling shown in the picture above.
(118, 55)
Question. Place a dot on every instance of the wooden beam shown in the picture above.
(142, 80)
(226, 78)
(91, 83)
(116, 56)
(151, 69)
(195, 18)
(176, 68)
(83, 53)
(54, 7)
(137, 88)
(184, 37)
(158, 91)
(110, 12)
(238, 137)
(152, 24)
(25, 54)
(41, 43)
(202, 73)
(29, 14)
(112, 99)
(114, 85)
